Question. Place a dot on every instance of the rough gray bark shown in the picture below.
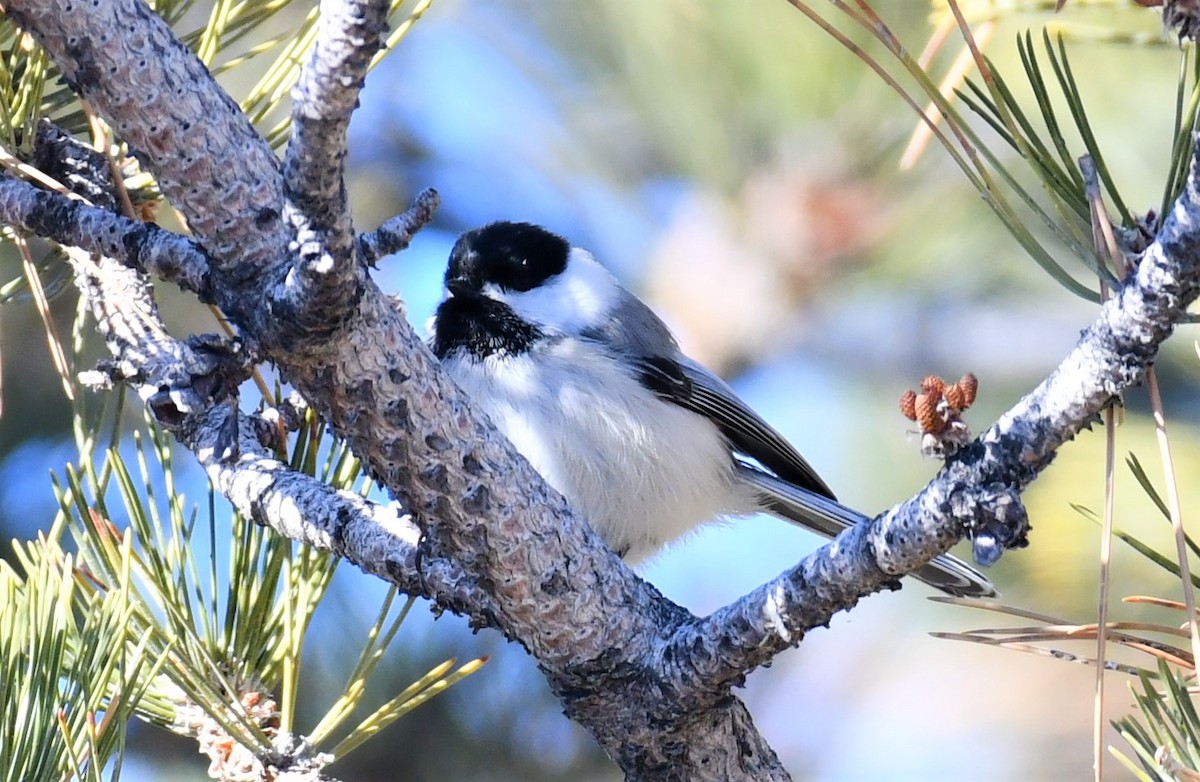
(275, 247)
(139, 245)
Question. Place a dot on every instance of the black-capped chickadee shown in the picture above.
(591, 388)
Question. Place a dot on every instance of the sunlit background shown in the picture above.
(737, 168)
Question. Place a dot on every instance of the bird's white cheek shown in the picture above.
(578, 298)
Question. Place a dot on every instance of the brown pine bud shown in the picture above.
(969, 384)
(933, 383)
(908, 404)
(956, 397)
(927, 413)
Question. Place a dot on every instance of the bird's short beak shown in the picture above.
(460, 286)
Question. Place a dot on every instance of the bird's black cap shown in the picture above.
(514, 256)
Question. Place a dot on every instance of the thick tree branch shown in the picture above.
(349, 33)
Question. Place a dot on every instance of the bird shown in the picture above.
(590, 386)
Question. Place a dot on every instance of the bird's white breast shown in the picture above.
(641, 470)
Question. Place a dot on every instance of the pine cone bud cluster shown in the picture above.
(938, 409)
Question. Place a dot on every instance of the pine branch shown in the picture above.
(191, 387)
(1111, 356)
(135, 244)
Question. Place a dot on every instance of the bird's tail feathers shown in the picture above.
(828, 517)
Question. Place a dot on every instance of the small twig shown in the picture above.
(396, 234)
(74, 223)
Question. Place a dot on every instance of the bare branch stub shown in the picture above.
(396, 233)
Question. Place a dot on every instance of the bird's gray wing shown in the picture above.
(691, 386)
(634, 330)
(794, 491)
(823, 515)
